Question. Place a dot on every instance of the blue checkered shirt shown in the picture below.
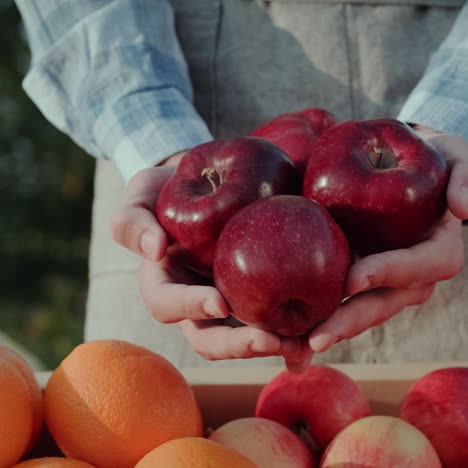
(126, 93)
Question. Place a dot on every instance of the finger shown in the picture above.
(170, 302)
(134, 224)
(297, 353)
(214, 341)
(137, 230)
(455, 150)
(366, 310)
(439, 258)
(457, 191)
(300, 366)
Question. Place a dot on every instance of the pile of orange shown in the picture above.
(109, 404)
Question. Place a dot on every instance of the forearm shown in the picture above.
(112, 76)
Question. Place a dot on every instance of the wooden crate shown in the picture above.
(225, 394)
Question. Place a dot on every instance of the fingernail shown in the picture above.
(365, 285)
(148, 245)
(210, 308)
(263, 346)
(321, 343)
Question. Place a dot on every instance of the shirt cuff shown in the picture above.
(144, 128)
(440, 113)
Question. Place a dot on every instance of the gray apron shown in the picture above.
(249, 61)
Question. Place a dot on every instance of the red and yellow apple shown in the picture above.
(265, 442)
(380, 442)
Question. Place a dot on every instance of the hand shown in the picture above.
(133, 224)
(381, 285)
(455, 150)
(174, 294)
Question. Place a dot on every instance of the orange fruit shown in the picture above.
(36, 393)
(110, 402)
(194, 452)
(53, 462)
(16, 414)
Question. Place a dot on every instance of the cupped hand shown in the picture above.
(174, 294)
(380, 286)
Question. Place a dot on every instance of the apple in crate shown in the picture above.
(265, 442)
(380, 442)
(281, 263)
(437, 404)
(295, 132)
(316, 404)
(385, 186)
(213, 181)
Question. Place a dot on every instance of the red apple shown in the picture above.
(212, 182)
(317, 404)
(265, 442)
(380, 442)
(383, 184)
(294, 132)
(281, 263)
(437, 404)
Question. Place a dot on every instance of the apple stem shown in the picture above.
(212, 176)
(309, 441)
(382, 158)
(378, 153)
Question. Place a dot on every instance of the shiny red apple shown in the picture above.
(294, 132)
(211, 183)
(281, 263)
(384, 185)
(437, 404)
(316, 404)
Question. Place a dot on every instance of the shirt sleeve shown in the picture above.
(440, 99)
(111, 75)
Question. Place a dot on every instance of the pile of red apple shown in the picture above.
(276, 218)
(321, 418)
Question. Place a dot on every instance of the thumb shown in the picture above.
(134, 224)
(457, 191)
(137, 230)
(455, 149)
(296, 353)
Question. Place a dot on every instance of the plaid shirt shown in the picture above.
(111, 74)
(101, 74)
(440, 99)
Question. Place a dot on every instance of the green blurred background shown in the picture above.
(46, 189)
